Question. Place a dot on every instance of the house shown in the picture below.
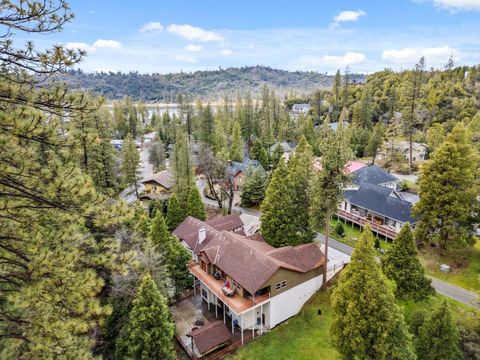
(158, 185)
(298, 109)
(232, 222)
(375, 198)
(252, 284)
(419, 151)
(286, 146)
(334, 125)
(236, 171)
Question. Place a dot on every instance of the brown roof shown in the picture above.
(228, 222)
(210, 336)
(163, 178)
(248, 260)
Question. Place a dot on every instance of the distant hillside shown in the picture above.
(209, 85)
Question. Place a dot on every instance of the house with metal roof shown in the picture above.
(375, 198)
(236, 171)
(250, 284)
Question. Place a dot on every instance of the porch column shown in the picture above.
(216, 306)
(241, 322)
(194, 285)
(261, 319)
(233, 329)
(253, 327)
(224, 313)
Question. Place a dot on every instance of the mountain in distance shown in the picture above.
(209, 85)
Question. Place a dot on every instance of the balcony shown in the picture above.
(362, 221)
(235, 302)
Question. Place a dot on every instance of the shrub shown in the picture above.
(339, 229)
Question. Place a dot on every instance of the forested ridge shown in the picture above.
(204, 84)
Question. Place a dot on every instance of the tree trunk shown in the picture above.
(410, 150)
(325, 266)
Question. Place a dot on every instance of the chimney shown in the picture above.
(202, 235)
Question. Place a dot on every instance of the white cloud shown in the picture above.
(185, 58)
(193, 48)
(155, 26)
(107, 44)
(194, 33)
(458, 4)
(99, 44)
(410, 55)
(348, 15)
(226, 52)
(78, 46)
(338, 61)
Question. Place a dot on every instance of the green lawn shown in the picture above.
(302, 337)
(351, 234)
(465, 266)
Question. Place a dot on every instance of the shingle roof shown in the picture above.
(250, 261)
(379, 199)
(163, 178)
(210, 336)
(234, 167)
(372, 174)
(228, 222)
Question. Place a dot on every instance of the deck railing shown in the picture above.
(359, 220)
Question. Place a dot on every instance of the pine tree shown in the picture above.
(259, 153)
(366, 322)
(276, 156)
(300, 173)
(375, 142)
(195, 207)
(336, 93)
(254, 188)
(236, 147)
(182, 167)
(176, 255)
(438, 336)
(277, 210)
(448, 205)
(130, 163)
(207, 126)
(156, 155)
(175, 214)
(149, 332)
(401, 264)
(327, 186)
(435, 136)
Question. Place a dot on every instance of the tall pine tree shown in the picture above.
(130, 163)
(366, 321)
(254, 188)
(175, 213)
(195, 206)
(236, 147)
(149, 332)
(401, 264)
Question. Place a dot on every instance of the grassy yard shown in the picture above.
(306, 336)
(464, 264)
(303, 337)
(352, 234)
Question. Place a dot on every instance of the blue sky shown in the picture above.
(323, 35)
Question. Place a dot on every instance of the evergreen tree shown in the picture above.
(149, 332)
(259, 153)
(175, 214)
(182, 167)
(375, 142)
(300, 173)
(277, 210)
(401, 264)
(327, 186)
(207, 126)
(236, 147)
(438, 336)
(195, 207)
(276, 156)
(366, 322)
(448, 206)
(363, 110)
(336, 93)
(254, 188)
(130, 163)
(435, 136)
(176, 255)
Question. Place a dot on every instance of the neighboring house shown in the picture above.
(158, 185)
(375, 198)
(232, 222)
(287, 147)
(298, 109)
(253, 284)
(334, 125)
(419, 151)
(236, 171)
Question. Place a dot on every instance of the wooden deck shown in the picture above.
(379, 229)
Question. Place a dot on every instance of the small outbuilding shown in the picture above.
(210, 337)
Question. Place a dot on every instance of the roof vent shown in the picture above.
(202, 235)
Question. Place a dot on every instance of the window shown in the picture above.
(281, 285)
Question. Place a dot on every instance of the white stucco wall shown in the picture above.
(289, 303)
